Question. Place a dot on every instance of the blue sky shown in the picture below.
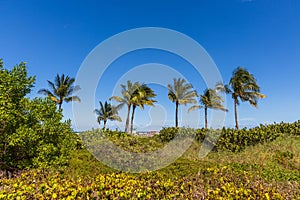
(260, 35)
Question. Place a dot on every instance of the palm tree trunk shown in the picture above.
(176, 115)
(127, 119)
(60, 103)
(104, 126)
(236, 114)
(132, 117)
(205, 114)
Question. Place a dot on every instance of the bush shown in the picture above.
(167, 134)
(31, 131)
(232, 139)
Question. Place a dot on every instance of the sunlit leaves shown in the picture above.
(31, 131)
(219, 182)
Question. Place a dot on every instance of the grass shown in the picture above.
(269, 160)
(278, 160)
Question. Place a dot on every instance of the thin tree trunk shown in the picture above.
(176, 115)
(60, 103)
(205, 113)
(236, 114)
(132, 117)
(127, 119)
(104, 126)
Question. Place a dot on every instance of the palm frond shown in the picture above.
(195, 107)
(107, 112)
(118, 99)
(220, 87)
(45, 92)
(182, 92)
(61, 89)
(72, 98)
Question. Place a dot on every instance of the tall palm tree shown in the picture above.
(61, 90)
(181, 93)
(242, 86)
(142, 96)
(107, 112)
(126, 99)
(209, 99)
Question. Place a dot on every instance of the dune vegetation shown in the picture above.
(43, 158)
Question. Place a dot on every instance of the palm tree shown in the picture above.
(107, 112)
(61, 90)
(181, 93)
(209, 99)
(142, 96)
(244, 87)
(126, 99)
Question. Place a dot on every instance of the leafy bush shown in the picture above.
(167, 134)
(237, 140)
(232, 139)
(31, 131)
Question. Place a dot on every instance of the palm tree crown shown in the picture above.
(181, 93)
(142, 96)
(210, 99)
(61, 90)
(243, 87)
(107, 112)
(126, 99)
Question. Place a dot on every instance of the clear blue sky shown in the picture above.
(260, 35)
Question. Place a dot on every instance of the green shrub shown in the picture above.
(167, 134)
(31, 133)
(224, 139)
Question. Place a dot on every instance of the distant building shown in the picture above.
(147, 133)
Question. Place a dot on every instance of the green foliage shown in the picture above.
(126, 99)
(61, 90)
(167, 134)
(248, 174)
(181, 92)
(209, 99)
(43, 140)
(123, 140)
(107, 112)
(106, 186)
(243, 87)
(278, 160)
(257, 163)
(227, 184)
(232, 139)
(237, 140)
(218, 182)
(143, 95)
(284, 158)
(31, 131)
(14, 85)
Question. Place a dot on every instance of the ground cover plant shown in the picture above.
(265, 168)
